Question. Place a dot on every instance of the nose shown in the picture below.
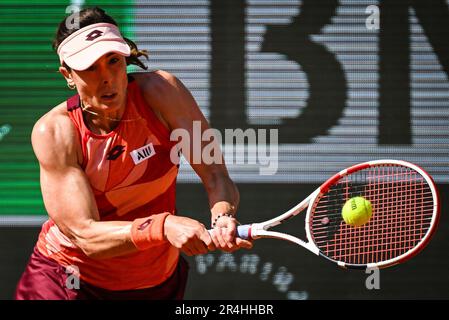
(105, 74)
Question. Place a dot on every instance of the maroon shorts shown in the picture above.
(45, 279)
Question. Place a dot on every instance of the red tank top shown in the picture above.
(132, 176)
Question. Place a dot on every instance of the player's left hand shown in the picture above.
(224, 235)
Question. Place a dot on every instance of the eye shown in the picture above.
(91, 68)
(113, 60)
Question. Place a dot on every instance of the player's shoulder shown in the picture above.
(155, 77)
(54, 133)
(157, 83)
(55, 123)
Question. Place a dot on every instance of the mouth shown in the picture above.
(108, 96)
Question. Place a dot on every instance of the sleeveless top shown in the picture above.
(132, 176)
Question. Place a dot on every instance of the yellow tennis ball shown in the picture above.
(357, 211)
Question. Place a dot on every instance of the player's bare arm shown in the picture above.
(175, 106)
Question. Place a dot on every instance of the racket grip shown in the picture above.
(243, 231)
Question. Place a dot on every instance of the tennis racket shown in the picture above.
(405, 213)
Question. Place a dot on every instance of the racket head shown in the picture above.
(405, 206)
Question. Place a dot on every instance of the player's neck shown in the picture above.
(101, 122)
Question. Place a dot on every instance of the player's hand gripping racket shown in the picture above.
(405, 212)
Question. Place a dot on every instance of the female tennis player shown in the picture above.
(108, 182)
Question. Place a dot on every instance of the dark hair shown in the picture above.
(90, 16)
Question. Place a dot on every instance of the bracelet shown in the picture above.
(221, 215)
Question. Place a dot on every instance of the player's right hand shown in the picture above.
(188, 235)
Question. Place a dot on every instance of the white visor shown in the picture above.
(82, 48)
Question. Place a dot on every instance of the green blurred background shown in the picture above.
(30, 85)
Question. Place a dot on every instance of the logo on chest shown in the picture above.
(142, 154)
(115, 152)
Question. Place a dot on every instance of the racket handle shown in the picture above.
(243, 231)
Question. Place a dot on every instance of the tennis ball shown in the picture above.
(357, 211)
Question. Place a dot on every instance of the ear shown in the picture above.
(66, 74)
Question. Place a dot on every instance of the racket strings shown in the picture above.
(402, 203)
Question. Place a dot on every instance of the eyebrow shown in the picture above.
(107, 56)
